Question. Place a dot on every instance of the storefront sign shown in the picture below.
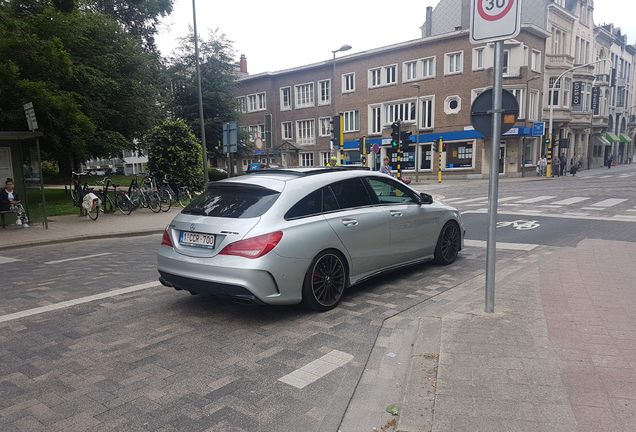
(596, 94)
(576, 93)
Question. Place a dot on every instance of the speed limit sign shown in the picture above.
(493, 20)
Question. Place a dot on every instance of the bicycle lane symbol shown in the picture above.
(519, 224)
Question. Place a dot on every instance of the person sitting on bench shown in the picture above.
(9, 201)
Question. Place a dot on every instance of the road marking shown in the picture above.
(5, 260)
(569, 201)
(448, 200)
(550, 206)
(470, 200)
(608, 202)
(584, 216)
(311, 372)
(500, 200)
(81, 300)
(634, 210)
(536, 199)
(501, 245)
(78, 258)
(592, 208)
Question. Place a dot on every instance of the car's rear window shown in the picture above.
(232, 201)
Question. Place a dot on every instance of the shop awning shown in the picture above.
(624, 138)
(611, 137)
(600, 140)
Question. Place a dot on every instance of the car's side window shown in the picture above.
(315, 203)
(351, 193)
(391, 192)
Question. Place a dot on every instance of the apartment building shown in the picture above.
(427, 83)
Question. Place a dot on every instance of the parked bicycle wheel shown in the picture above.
(123, 203)
(185, 197)
(154, 201)
(108, 204)
(135, 196)
(166, 199)
(94, 209)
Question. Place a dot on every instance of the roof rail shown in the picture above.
(308, 171)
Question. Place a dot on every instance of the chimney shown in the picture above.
(428, 29)
(243, 63)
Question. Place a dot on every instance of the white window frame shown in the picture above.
(410, 70)
(535, 61)
(325, 93)
(286, 127)
(387, 76)
(304, 95)
(285, 106)
(425, 68)
(306, 159)
(325, 126)
(325, 156)
(422, 68)
(506, 62)
(306, 131)
(350, 121)
(533, 105)
(427, 119)
(242, 101)
(477, 52)
(256, 102)
(520, 94)
(405, 110)
(457, 63)
(375, 120)
(447, 103)
(349, 82)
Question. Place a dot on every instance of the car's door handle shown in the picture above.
(349, 222)
(396, 213)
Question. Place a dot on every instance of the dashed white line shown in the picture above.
(608, 202)
(5, 260)
(81, 300)
(536, 199)
(318, 368)
(78, 258)
(569, 201)
(501, 245)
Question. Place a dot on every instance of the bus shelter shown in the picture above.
(20, 160)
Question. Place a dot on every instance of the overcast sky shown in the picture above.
(280, 34)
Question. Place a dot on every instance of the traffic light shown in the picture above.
(405, 140)
(443, 146)
(362, 145)
(395, 134)
(437, 144)
(336, 130)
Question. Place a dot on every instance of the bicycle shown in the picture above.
(150, 194)
(166, 193)
(182, 194)
(120, 201)
(140, 197)
(81, 196)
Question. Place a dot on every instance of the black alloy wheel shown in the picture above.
(448, 244)
(325, 281)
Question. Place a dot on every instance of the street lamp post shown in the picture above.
(551, 102)
(345, 47)
(201, 118)
(525, 124)
(417, 127)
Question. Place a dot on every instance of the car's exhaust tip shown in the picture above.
(165, 283)
(243, 300)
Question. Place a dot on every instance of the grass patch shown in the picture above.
(59, 202)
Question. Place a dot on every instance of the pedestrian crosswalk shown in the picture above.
(574, 206)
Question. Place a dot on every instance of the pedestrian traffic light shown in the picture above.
(405, 140)
(443, 146)
(395, 134)
(437, 144)
(336, 130)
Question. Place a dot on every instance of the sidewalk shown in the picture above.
(558, 353)
(73, 227)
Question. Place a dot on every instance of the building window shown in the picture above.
(533, 106)
(428, 67)
(306, 159)
(324, 158)
(349, 83)
(256, 102)
(566, 92)
(452, 104)
(453, 63)
(459, 154)
(386, 75)
(305, 132)
(325, 92)
(535, 61)
(519, 95)
(554, 88)
(506, 62)
(325, 126)
(253, 132)
(375, 120)
(402, 111)
(410, 70)
(285, 98)
(351, 121)
(287, 130)
(242, 104)
(305, 95)
(427, 113)
(478, 58)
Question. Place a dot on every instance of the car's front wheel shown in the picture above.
(325, 281)
(448, 244)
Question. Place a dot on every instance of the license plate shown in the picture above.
(197, 239)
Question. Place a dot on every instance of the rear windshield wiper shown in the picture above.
(195, 211)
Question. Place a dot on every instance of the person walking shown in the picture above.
(563, 161)
(543, 164)
(385, 168)
(574, 164)
(610, 160)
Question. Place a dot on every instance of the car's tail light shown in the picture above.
(254, 247)
(166, 240)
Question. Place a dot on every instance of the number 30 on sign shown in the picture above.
(493, 20)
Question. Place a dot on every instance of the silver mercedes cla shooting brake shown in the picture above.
(303, 235)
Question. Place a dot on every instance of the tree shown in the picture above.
(94, 87)
(218, 81)
(173, 148)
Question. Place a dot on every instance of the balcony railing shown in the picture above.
(559, 61)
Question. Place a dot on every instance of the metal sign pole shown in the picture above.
(493, 191)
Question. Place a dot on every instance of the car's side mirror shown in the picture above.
(426, 198)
